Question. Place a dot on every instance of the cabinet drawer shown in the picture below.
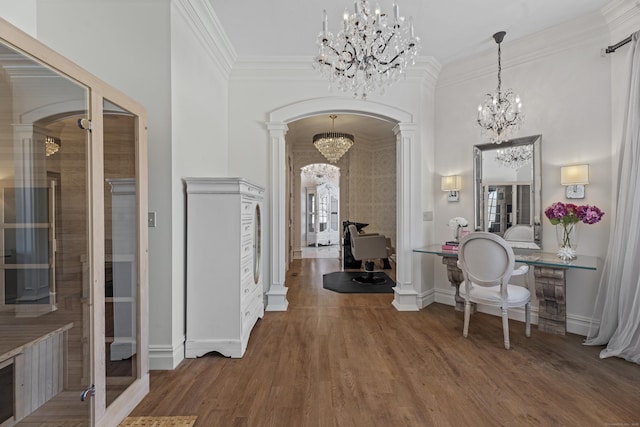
(251, 312)
(246, 278)
(247, 208)
(246, 228)
(246, 249)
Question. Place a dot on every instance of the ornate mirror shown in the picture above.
(507, 189)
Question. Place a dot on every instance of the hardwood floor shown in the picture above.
(353, 360)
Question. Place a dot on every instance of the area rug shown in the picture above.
(181, 421)
(342, 281)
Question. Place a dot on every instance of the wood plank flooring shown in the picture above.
(353, 360)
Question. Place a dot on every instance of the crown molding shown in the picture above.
(425, 69)
(622, 17)
(585, 31)
(207, 28)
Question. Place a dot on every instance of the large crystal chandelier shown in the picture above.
(333, 145)
(320, 173)
(371, 51)
(500, 114)
(514, 157)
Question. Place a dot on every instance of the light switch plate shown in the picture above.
(151, 219)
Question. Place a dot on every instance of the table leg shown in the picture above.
(454, 274)
(551, 284)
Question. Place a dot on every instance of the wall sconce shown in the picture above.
(574, 177)
(452, 184)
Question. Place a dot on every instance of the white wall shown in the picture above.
(564, 84)
(21, 14)
(199, 137)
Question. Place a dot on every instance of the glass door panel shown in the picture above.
(45, 292)
(121, 248)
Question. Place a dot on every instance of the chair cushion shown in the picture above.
(517, 295)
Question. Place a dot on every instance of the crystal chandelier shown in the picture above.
(51, 145)
(333, 145)
(369, 53)
(320, 172)
(500, 112)
(514, 157)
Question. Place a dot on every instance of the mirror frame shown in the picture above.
(479, 206)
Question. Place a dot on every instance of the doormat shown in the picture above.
(342, 281)
(181, 421)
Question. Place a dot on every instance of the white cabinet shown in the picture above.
(224, 280)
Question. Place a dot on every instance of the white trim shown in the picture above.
(427, 298)
(207, 28)
(578, 325)
(620, 16)
(584, 31)
(164, 357)
(405, 296)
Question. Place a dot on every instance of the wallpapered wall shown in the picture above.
(367, 186)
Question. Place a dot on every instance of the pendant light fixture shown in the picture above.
(333, 145)
(499, 114)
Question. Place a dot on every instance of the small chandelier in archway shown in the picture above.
(333, 145)
(51, 145)
(320, 173)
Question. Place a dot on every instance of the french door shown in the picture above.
(73, 240)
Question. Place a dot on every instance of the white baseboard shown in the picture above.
(576, 324)
(426, 298)
(277, 298)
(166, 358)
(405, 299)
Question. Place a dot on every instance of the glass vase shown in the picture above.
(567, 235)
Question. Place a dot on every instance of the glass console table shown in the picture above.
(550, 281)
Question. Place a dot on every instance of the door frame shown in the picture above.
(406, 298)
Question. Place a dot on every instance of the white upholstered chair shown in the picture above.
(487, 263)
(520, 233)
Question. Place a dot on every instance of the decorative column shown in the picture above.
(277, 293)
(405, 295)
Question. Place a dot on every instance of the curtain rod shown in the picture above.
(612, 48)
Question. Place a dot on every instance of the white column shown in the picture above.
(277, 293)
(405, 295)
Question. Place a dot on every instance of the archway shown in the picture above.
(318, 230)
(405, 296)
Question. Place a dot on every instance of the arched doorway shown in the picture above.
(318, 221)
(405, 296)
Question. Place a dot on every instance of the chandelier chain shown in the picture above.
(499, 69)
